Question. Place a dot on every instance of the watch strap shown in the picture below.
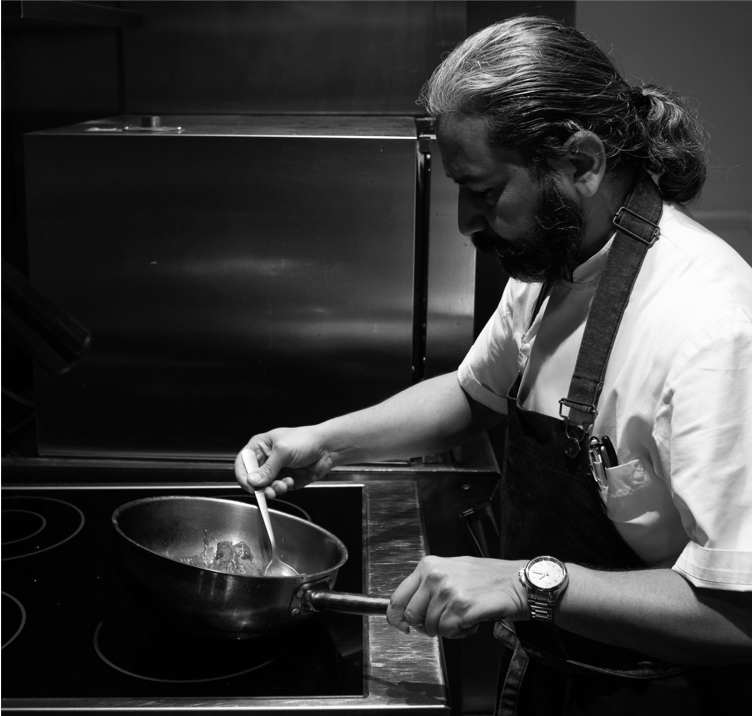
(541, 604)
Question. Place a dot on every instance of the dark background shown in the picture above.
(67, 62)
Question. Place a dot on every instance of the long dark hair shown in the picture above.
(536, 82)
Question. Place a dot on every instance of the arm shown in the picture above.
(654, 611)
(428, 417)
(660, 613)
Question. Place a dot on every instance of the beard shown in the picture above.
(548, 250)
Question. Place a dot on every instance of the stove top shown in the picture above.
(71, 630)
(73, 638)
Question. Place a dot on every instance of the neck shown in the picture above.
(600, 210)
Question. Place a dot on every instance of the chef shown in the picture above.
(621, 354)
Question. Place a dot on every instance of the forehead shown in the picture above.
(466, 153)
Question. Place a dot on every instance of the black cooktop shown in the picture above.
(70, 629)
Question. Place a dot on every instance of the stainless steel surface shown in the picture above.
(232, 280)
(54, 338)
(402, 669)
(300, 57)
(29, 14)
(317, 600)
(404, 675)
(156, 534)
(451, 276)
(151, 121)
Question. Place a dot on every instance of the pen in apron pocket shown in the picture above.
(610, 452)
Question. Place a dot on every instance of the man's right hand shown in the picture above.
(287, 459)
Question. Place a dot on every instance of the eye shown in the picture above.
(486, 194)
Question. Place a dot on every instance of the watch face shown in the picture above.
(545, 574)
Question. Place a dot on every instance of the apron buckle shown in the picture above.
(576, 433)
(649, 235)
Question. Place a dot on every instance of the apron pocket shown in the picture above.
(623, 499)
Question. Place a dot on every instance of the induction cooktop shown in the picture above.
(72, 634)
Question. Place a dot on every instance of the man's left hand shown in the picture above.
(451, 596)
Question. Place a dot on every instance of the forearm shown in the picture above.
(429, 417)
(658, 613)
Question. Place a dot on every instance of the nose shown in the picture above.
(470, 216)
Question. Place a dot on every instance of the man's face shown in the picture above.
(531, 225)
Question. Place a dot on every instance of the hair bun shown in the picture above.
(639, 100)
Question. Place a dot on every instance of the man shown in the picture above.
(621, 353)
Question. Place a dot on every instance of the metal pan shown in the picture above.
(153, 533)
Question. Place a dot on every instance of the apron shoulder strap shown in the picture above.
(637, 230)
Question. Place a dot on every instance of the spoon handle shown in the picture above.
(276, 567)
(251, 465)
(250, 461)
(261, 499)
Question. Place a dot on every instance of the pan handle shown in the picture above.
(321, 599)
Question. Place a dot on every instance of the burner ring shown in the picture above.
(22, 622)
(135, 643)
(61, 521)
(26, 536)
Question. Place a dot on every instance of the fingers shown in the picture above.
(450, 597)
(255, 469)
(246, 468)
(266, 473)
(396, 612)
(279, 487)
(267, 463)
(281, 460)
(249, 460)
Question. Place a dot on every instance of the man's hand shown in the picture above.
(426, 418)
(281, 460)
(450, 597)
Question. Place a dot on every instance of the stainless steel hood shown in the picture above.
(239, 273)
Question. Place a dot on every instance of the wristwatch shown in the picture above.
(545, 579)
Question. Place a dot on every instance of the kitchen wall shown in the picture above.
(702, 50)
(286, 57)
(57, 70)
(67, 62)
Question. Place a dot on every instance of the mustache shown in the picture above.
(547, 250)
(489, 242)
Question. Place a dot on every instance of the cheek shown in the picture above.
(512, 218)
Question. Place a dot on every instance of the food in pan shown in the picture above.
(228, 557)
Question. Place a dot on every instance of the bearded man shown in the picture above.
(621, 354)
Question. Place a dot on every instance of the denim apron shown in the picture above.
(550, 505)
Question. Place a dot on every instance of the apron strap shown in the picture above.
(514, 665)
(637, 230)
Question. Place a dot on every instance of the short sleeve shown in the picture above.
(703, 430)
(490, 367)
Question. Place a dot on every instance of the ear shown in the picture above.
(584, 163)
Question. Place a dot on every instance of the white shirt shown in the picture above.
(677, 396)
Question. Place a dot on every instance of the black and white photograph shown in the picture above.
(376, 357)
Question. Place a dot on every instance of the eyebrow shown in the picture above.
(464, 179)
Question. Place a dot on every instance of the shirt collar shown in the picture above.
(591, 269)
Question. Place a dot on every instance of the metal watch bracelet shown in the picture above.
(541, 609)
(541, 606)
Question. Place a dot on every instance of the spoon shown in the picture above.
(276, 567)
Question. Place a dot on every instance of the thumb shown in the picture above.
(261, 475)
(249, 462)
(395, 614)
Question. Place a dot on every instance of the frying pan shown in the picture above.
(151, 534)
